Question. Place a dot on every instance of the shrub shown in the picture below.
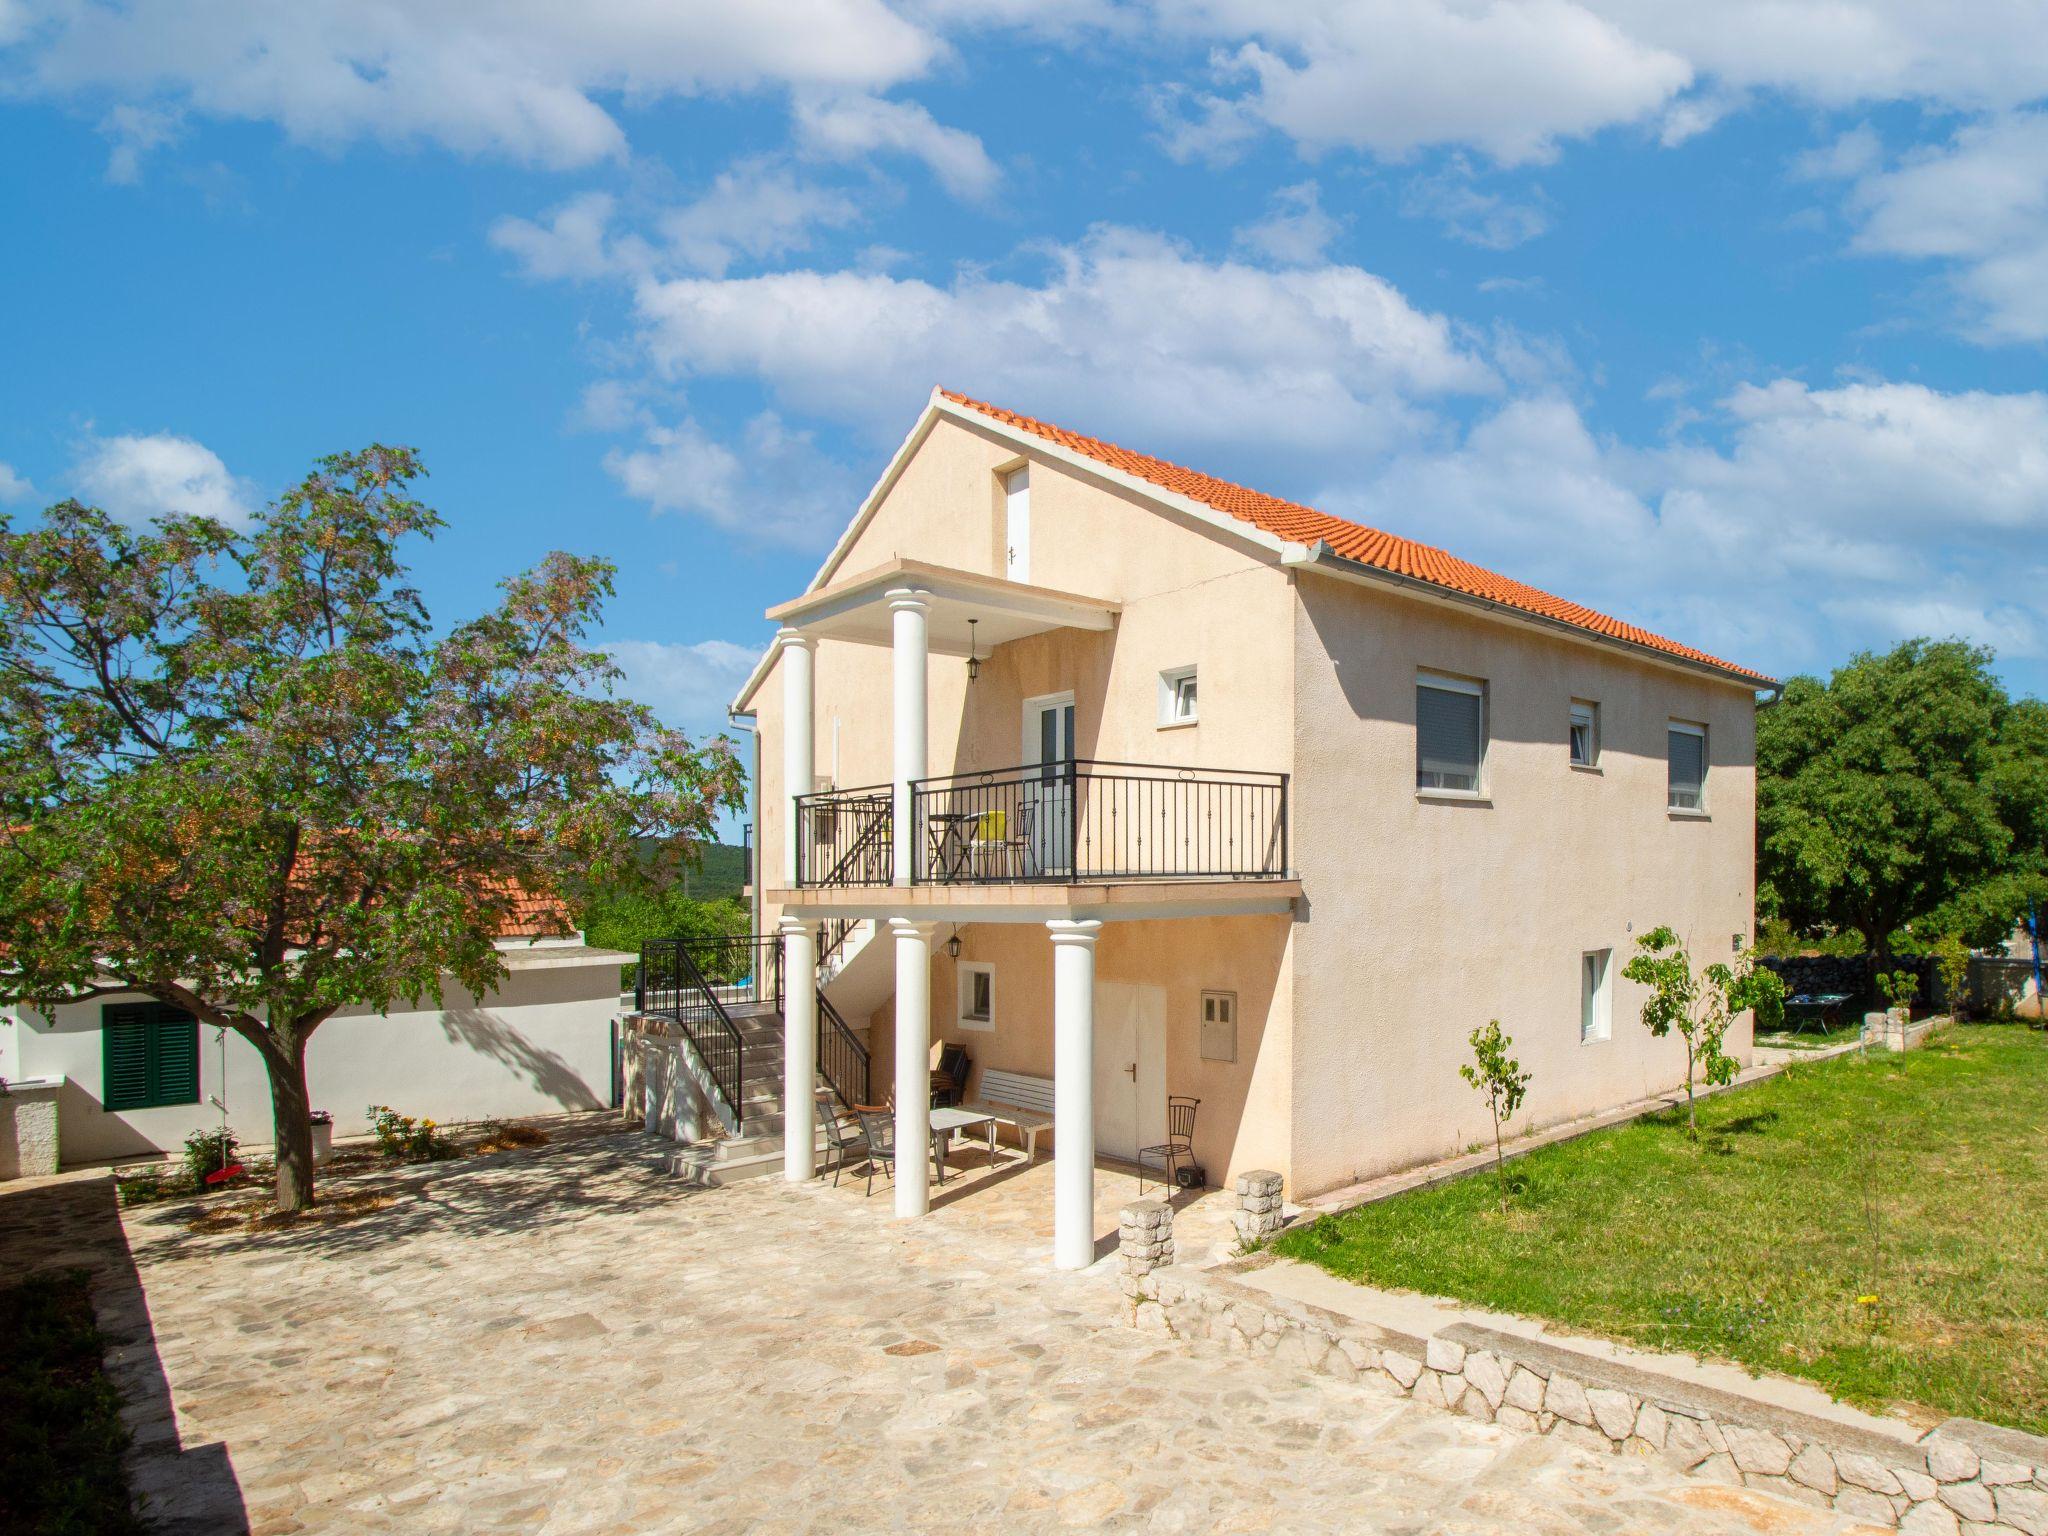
(409, 1140)
(208, 1152)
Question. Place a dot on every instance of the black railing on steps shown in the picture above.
(696, 983)
(843, 1061)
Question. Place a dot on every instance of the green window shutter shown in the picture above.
(151, 1055)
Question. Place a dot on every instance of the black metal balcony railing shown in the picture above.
(698, 983)
(844, 837)
(1056, 823)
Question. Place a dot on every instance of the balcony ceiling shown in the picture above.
(857, 608)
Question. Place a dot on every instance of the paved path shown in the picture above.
(568, 1341)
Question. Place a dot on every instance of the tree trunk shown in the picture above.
(291, 1111)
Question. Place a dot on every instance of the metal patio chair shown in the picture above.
(848, 1141)
(1179, 1146)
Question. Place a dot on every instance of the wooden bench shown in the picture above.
(1018, 1101)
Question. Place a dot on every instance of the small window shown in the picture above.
(1219, 1026)
(1596, 1013)
(1017, 524)
(977, 996)
(150, 1056)
(1585, 734)
(1177, 697)
(1450, 733)
(1687, 745)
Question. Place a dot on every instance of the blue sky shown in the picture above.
(1729, 319)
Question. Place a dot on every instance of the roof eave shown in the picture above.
(1320, 557)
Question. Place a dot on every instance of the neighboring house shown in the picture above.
(1224, 797)
(137, 1077)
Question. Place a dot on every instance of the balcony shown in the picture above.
(1066, 823)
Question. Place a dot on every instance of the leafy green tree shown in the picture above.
(1500, 1077)
(1908, 786)
(239, 773)
(1701, 1008)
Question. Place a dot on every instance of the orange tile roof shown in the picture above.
(1353, 541)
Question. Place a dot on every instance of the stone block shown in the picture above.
(1758, 1450)
(1484, 1375)
(1867, 1472)
(1918, 1486)
(1950, 1460)
(1929, 1519)
(1861, 1504)
(1567, 1399)
(1720, 1468)
(1405, 1369)
(1429, 1388)
(1996, 1474)
(1614, 1413)
(1816, 1469)
(1363, 1357)
(1970, 1500)
(1473, 1405)
(1521, 1420)
(2024, 1509)
(1525, 1390)
(1442, 1355)
(1652, 1425)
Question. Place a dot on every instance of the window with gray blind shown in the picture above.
(1688, 774)
(1450, 733)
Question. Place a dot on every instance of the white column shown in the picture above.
(799, 1049)
(799, 746)
(1073, 1092)
(913, 1063)
(911, 632)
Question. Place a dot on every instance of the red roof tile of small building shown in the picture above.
(1353, 541)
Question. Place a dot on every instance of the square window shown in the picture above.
(1219, 1026)
(1585, 733)
(149, 1056)
(977, 995)
(1450, 733)
(1686, 746)
(1177, 697)
(1596, 1007)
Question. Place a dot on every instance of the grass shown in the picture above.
(1814, 1037)
(62, 1441)
(1918, 1180)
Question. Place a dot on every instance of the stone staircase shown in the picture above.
(757, 1150)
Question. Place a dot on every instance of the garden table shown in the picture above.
(1814, 1005)
(946, 1121)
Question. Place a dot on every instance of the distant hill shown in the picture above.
(721, 871)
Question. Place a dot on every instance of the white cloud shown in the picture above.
(572, 244)
(774, 484)
(1513, 78)
(1488, 220)
(1127, 332)
(1296, 232)
(519, 78)
(687, 684)
(1980, 204)
(138, 478)
(14, 486)
(1812, 519)
(854, 127)
(135, 132)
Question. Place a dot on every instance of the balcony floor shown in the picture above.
(1032, 903)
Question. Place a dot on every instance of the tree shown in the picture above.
(1700, 1008)
(239, 774)
(1500, 1077)
(1905, 787)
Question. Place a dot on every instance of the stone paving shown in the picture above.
(567, 1340)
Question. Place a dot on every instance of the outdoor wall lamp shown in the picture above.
(973, 664)
(953, 947)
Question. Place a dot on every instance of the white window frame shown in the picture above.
(1170, 698)
(969, 970)
(1588, 712)
(1226, 1009)
(1016, 483)
(1596, 1010)
(1449, 684)
(1686, 728)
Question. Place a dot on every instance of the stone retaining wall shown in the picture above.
(1962, 1479)
(28, 1127)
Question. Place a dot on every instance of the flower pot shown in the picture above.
(323, 1142)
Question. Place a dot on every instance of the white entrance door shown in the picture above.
(1047, 796)
(1130, 1068)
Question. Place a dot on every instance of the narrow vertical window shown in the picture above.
(977, 996)
(1687, 749)
(1450, 733)
(1219, 1026)
(1585, 733)
(1595, 1006)
(1017, 524)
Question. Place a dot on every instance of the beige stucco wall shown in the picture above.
(1427, 919)
(1242, 1121)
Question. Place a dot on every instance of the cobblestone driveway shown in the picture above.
(568, 1341)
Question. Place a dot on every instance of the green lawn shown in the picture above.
(61, 1436)
(1921, 1180)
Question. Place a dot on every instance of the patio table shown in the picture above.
(1814, 1005)
(946, 1121)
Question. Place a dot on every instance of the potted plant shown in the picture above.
(323, 1137)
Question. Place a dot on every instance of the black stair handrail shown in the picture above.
(702, 1019)
(843, 1061)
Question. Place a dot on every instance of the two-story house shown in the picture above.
(1145, 783)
